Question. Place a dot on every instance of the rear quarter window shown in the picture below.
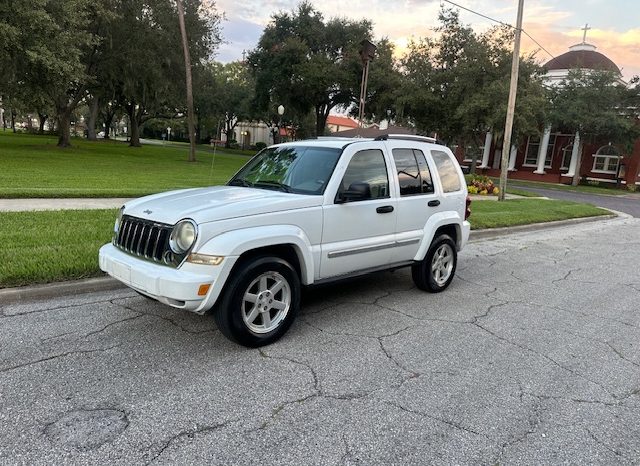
(447, 171)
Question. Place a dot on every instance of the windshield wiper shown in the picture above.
(240, 182)
(274, 184)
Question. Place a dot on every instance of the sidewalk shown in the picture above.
(18, 205)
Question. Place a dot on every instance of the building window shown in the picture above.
(548, 160)
(566, 156)
(533, 147)
(606, 159)
(470, 151)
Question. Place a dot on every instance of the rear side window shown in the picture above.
(413, 173)
(447, 170)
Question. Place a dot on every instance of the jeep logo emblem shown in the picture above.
(148, 212)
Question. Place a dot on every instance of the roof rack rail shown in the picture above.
(407, 137)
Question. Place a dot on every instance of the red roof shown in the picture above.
(341, 121)
(582, 56)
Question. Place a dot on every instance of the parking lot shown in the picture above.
(531, 356)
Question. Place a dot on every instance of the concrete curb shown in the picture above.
(90, 285)
(56, 290)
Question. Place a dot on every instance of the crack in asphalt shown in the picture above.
(448, 422)
(566, 276)
(166, 319)
(127, 319)
(602, 444)
(534, 420)
(190, 434)
(56, 356)
(38, 311)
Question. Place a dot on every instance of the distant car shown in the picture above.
(299, 213)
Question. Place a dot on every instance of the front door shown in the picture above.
(359, 215)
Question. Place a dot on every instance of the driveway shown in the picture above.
(627, 203)
(532, 356)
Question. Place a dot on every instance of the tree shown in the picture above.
(305, 63)
(457, 84)
(59, 68)
(597, 105)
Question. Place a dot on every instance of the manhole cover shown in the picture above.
(87, 429)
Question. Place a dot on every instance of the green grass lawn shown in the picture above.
(32, 166)
(512, 212)
(42, 247)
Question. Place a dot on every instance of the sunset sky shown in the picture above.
(555, 24)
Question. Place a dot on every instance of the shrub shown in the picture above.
(632, 187)
(260, 145)
(482, 185)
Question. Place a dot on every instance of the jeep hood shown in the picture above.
(216, 203)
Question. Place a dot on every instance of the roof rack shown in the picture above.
(407, 137)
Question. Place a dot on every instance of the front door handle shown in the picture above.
(434, 203)
(385, 209)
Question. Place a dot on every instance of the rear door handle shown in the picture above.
(434, 203)
(385, 209)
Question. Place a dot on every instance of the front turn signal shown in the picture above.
(205, 259)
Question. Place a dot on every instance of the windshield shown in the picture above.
(301, 170)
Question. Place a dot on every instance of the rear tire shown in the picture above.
(260, 302)
(435, 272)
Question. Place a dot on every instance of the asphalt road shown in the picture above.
(532, 356)
(627, 203)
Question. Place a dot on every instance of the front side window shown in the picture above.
(447, 171)
(300, 170)
(367, 175)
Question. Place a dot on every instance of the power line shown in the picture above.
(499, 22)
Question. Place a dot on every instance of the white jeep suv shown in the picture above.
(299, 213)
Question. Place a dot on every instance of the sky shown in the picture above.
(554, 24)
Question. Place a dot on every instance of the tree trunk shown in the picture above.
(576, 175)
(322, 112)
(91, 121)
(43, 119)
(107, 124)
(64, 127)
(134, 130)
(13, 120)
(189, 83)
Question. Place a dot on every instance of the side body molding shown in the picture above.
(234, 243)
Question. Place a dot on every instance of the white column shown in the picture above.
(542, 153)
(487, 150)
(574, 156)
(512, 158)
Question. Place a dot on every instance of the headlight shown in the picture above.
(183, 236)
(116, 227)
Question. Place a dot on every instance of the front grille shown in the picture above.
(144, 239)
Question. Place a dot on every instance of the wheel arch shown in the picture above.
(288, 242)
(443, 222)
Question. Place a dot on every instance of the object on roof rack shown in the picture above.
(406, 137)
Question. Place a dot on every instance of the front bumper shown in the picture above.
(174, 287)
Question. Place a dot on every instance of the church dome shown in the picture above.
(582, 56)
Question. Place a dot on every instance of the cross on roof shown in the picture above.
(584, 35)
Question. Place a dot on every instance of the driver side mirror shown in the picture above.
(356, 192)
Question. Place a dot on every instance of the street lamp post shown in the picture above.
(244, 137)
(168, 133)
(367, 53)
(280, 113)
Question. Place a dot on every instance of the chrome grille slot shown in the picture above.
(143, 238)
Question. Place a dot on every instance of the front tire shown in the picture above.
(436, 271)
(260, 302)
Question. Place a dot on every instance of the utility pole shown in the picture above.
(511, 105)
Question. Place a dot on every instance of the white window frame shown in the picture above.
(551, 147)
(526, 153)
(469, 159)
(609, 161)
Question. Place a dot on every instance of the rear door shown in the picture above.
(418, 197)
(359, 234)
